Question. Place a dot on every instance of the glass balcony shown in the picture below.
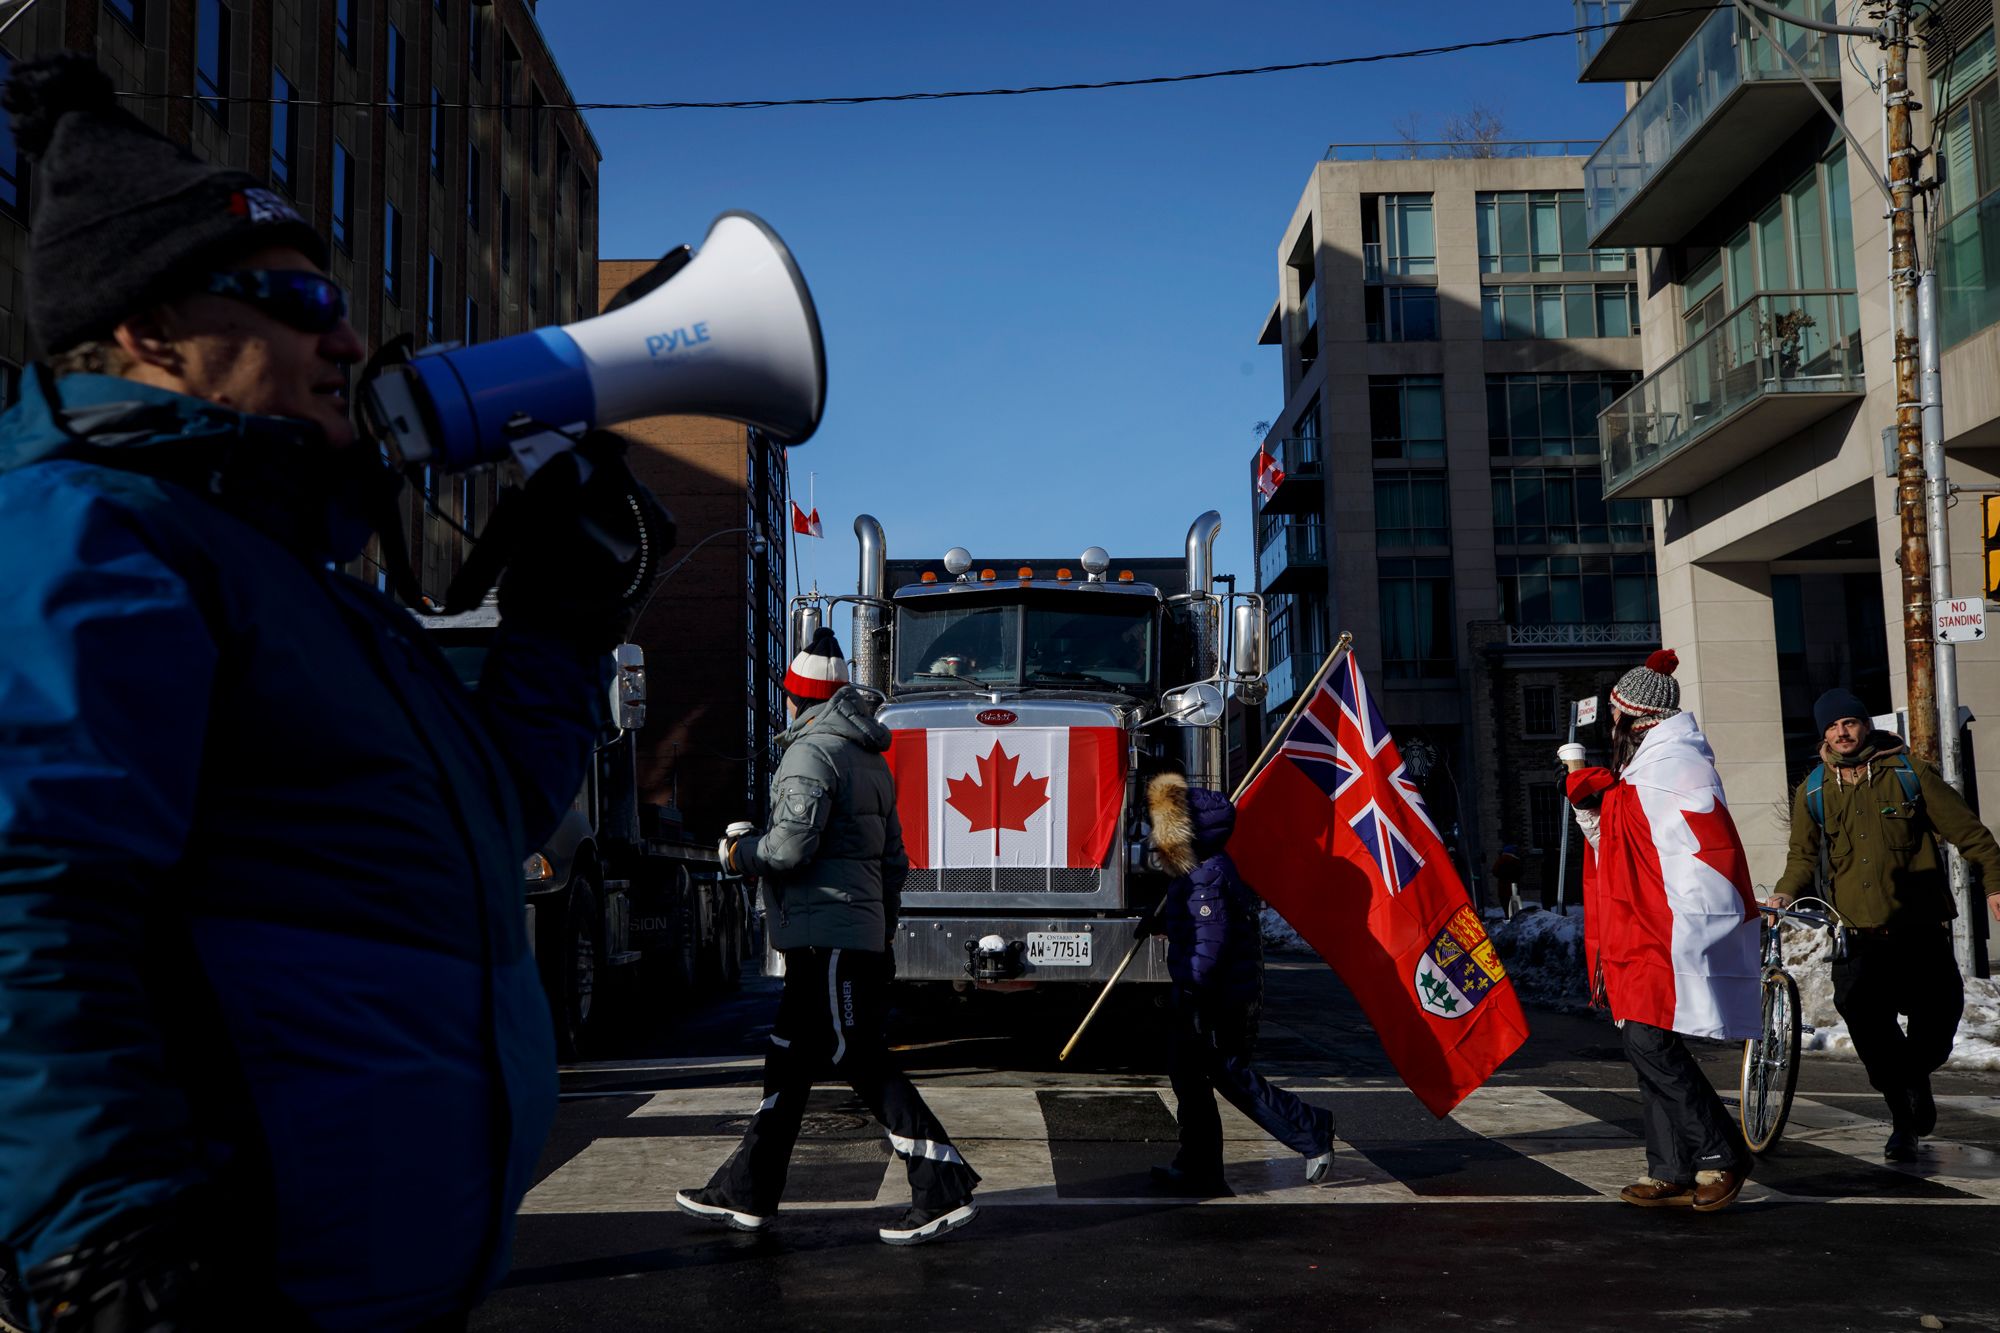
(1968, 266)
(1300, 491)
(1773, 366)
(1721, 107)
(1371, 261)
(1292, 557)
(1641, 43)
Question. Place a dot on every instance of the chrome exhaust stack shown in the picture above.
(869, 650)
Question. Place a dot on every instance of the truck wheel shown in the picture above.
(578, 963)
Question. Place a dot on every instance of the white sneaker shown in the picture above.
(707, 1204)
(1319, 1168)
(918, 1226)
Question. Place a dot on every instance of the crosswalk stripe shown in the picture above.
(1053, 1143)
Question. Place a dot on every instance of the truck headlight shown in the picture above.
(537, 869)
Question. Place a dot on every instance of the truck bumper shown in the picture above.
(932, 948)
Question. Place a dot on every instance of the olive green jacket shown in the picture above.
(832, 862)
(1882, 848)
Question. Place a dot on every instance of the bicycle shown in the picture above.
(1771, 1058)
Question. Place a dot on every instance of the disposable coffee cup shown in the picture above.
(1571, 755)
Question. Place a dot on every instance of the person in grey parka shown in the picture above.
(832, 866)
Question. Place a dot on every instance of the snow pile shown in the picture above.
(1809, 958)
(1278, 934)
(1543, 953)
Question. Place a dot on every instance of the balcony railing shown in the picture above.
(1968, 265)
(1722, 105)
(1289, 675)
(1291, 556)
(1299, 492)
(1445, 150)
(1642, 37)
(1582, 636)
(1774, 365)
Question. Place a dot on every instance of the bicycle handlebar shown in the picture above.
(1819, 919)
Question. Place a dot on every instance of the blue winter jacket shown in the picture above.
(1215, 946)
(260, 884)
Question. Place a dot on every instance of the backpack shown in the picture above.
(1816, 784)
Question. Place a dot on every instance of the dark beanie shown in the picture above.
(1836, 704)
(121, 217)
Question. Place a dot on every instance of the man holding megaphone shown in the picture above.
(273, 1050)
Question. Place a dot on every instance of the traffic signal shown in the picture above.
(1989, 513)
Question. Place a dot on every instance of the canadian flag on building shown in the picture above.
(804, 522)
(979, 798)
(1269, 475)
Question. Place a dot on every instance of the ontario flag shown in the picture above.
(1007, 795)
(1334, 834)
(1268, 474)
(804, 522)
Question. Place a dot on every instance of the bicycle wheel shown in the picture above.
(1771, 1064)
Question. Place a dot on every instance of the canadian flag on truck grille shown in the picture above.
(1020, 796)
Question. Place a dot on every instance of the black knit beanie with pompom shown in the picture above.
(123, 219)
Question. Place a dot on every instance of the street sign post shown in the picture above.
(1959, 619)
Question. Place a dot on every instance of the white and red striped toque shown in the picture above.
(819, 670)
(1649, 694)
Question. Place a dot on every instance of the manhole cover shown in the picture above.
(816, 1124)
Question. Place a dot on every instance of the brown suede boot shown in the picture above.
(1647, 1192)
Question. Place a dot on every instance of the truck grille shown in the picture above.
(1009, 879)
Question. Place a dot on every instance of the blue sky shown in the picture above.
(1040, 312)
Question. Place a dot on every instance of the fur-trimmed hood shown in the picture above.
(1189, 824)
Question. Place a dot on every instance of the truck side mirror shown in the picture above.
(1197, 705)
(628, 687)
(1246, 642)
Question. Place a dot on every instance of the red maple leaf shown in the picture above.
(995, 799)
(1718, 844)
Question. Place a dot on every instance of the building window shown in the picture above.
(343, 197)
(437, 133)
(343, 28)
(1555, 415)
(510, 79)
(1416, 619)
(1541, 231)
(1544, 816)
(472, 187)
(1399, 229)
(284, 128)
(1535, 506)
(1538, 710)
(475, 40)
(506, 232)
(1401, 314)
(433, 299)
(1968, 157)
(471, 321)
(392, 253)
(130, 12)
(1412, 509)
(1577, 590)
(211, 57)
(395, 80)
(13, 167)
(562, 170)
(556, 307)
(535, 118)
(1562, 310)
(534, 273)
(1406, 415)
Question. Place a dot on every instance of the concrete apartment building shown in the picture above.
(445, 223)
(1756, 435)
(714, 632)
(1448, 339)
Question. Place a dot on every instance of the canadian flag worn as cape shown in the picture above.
(1334, 834)
(1668, 912)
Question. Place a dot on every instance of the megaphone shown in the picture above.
(729, 331)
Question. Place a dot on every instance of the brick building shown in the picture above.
(714, 632)
(446, 223)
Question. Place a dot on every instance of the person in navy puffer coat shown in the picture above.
(1215, 955)
(273, 1050)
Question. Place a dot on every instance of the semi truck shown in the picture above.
(628, 916)
(1029, 701)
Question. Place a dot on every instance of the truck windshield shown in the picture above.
(1064, 639)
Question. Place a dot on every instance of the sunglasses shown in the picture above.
(307, 302)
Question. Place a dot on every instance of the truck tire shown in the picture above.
(578, 963)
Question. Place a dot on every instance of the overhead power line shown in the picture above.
(761, 103)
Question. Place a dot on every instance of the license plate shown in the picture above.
(1051, 948)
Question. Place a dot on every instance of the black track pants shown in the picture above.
(1688, 1129)
(1910, 971)
(833, 1016)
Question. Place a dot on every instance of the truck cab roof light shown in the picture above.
(1124, 576)
(1027, 571)
(986, 576)
(1062, 574)
(930, 576)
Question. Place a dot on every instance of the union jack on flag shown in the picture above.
(1340, 742)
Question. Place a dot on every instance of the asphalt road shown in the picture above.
(1499, 1217)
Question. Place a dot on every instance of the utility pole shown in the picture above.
(1912, 512)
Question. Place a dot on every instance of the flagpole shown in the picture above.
(1341, 648)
